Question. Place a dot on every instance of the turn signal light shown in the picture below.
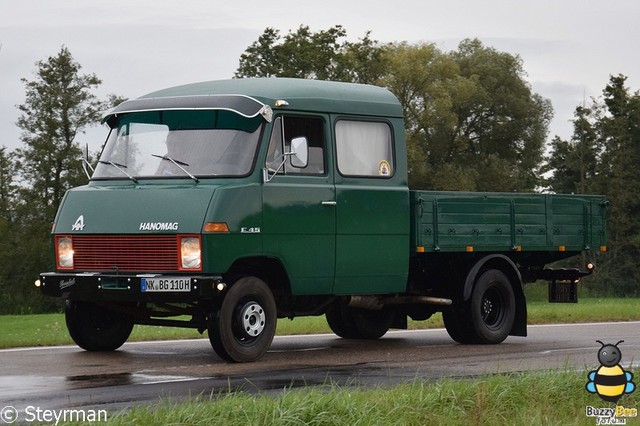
(217, 227)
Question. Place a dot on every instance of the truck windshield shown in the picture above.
(183, 143)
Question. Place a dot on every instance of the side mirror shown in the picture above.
(298, 156)
(299, 152)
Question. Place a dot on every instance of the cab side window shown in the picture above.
(364, 148)
(286, 128)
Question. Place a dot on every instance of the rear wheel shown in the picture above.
(96, 328)
(355, 323)
(457, 323)
(489, 315)
(493, 307)
(242, 326)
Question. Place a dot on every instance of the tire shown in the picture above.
(489, 315)
(355, 323)
(96, 328)
(243, 324)
(458, 325)
(493, 307)
(336, 322)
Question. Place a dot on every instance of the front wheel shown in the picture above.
(242, 325)
(96, 328)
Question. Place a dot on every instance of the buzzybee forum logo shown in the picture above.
(610, 382)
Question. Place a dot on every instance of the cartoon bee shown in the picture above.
(610, 381)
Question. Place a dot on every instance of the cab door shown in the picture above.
(299, 213)
(372, 218)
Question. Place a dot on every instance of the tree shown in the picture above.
(59, 105)
(323, 55)
(473, 122)
(574, 162)
(7, 200)
(427, 83)
(619, 177)
(7, 184)
(503, 124)
(602, 157)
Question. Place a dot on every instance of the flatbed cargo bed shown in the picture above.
(505, 222)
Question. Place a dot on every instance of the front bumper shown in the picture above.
(93, 286)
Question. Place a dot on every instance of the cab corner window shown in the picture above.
(364, 148)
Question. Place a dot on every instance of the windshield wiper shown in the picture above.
(120, 167)
(178, 164)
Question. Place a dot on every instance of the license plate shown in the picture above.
(165, 284)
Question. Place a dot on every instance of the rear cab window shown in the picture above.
(364, 148)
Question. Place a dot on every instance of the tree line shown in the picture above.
(603, 157)
(472, 121)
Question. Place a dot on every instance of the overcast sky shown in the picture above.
(569, 47)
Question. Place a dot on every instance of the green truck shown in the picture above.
(225, 205)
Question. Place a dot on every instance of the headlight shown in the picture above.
(64, 252)
(190, 253)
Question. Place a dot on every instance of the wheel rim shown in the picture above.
(251, 321)
(492, 308)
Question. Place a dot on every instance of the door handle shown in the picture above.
(329, 203)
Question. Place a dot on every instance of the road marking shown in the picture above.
(585, 324)
(551, 351)
(299, 350)
(145, 379)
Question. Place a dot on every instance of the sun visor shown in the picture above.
(245, 106)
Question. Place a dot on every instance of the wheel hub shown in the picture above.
(253, 319)
(492, 308)
(487, 307)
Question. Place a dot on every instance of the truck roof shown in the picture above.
(299, 94)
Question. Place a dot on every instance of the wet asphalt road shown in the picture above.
(142, 373)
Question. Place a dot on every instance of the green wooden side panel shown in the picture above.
(458, 222)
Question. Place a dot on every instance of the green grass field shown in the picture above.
(548, 398)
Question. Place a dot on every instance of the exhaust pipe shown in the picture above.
(377, 303)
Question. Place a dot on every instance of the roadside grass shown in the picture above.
(50, 329)
(540, 398)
